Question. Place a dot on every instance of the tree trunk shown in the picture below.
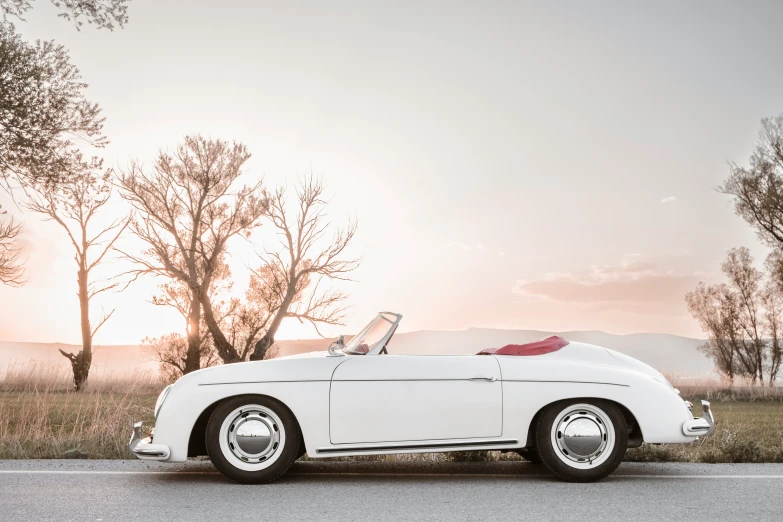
(259, 351)
(193, 356)
(261, 347)
(81, 361)
(225, 349)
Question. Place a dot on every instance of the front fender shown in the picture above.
(301, 384)
(308, 401)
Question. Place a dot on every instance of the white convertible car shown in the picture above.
(573, 407)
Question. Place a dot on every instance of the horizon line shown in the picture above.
(564, 332)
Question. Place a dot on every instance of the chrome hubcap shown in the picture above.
(583, 435)
(253, 434)
(580, 436)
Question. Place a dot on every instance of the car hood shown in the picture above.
(314, 366)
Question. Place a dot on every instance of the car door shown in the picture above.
(392, 398)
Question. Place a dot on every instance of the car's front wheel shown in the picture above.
(581, 440)
(252, 439)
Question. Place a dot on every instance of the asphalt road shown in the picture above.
(133, 490)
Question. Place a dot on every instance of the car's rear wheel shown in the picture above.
(252, 439)
(581, 440)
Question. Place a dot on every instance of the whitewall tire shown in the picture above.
(252, 438)
(581, 440)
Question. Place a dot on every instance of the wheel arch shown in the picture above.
(197, 441)
(635, 436)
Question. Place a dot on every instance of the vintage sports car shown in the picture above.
(573, 407)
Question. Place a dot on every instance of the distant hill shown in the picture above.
(115, 358)
(670, 354)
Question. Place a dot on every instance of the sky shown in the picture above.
(548, 166)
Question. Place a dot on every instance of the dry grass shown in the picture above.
(51, 424)
(719, 389)
(40, 417)
(52, 377)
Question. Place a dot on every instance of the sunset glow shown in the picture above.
(502, 176)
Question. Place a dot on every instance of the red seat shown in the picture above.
(548, 345)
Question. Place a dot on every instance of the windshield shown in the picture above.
(373, 337)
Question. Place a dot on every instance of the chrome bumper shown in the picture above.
(143, 448)
(700, 426)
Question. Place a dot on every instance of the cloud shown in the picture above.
(633, 280)
(479, 246)
(501, 254)
(669, 199)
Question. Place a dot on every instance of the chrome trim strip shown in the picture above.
(434, 447)
(150, 452)
(462, 379)
(260, 382)
(411, 380)
(343, 380)
(569, 382)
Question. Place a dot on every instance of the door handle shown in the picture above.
(483, 379)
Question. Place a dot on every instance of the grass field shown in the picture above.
(39, 418)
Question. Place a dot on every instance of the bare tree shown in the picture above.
(241, 321)
(273, 352)
(745, 279)
(243, 324)
(73, 206)
(177, 295)
(11, 267)
(773, 303)
(103, 13)
(43, 112)
(758, 198)
(712, 306)
(188, 208)
(758, 188)
(171, 351)
(292, 274)
(742, 319)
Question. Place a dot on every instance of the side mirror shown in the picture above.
(336, 348)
